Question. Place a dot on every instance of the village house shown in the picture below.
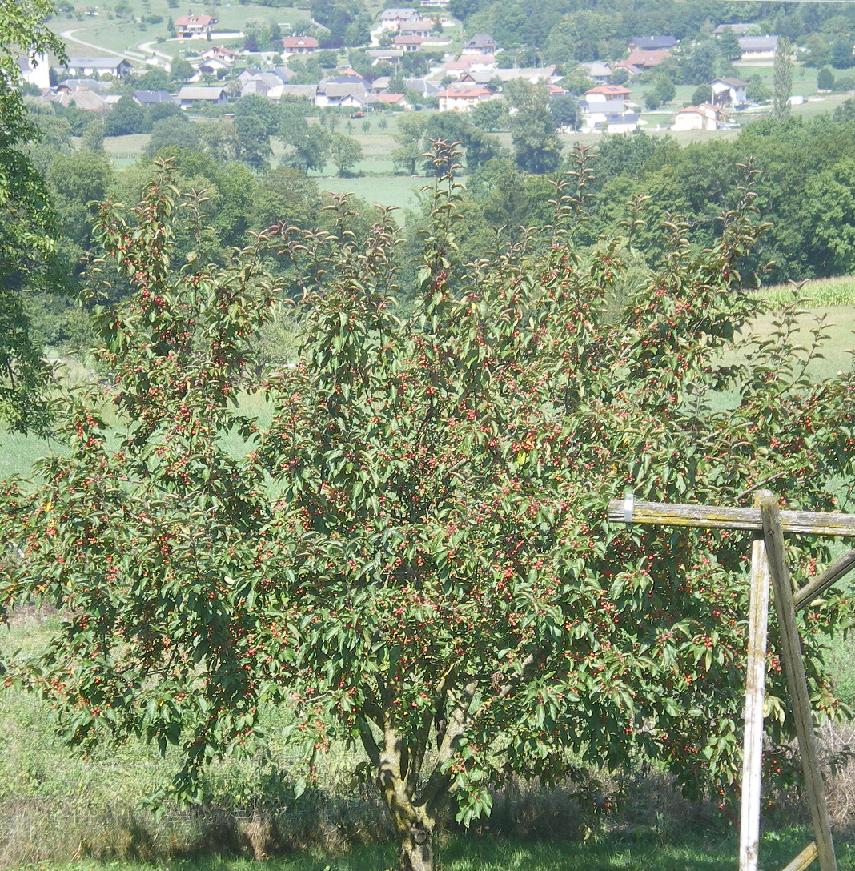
(481, 43)
(98, 86)
(604, 110)
(299, 92)
(645, 59)
(408, 43)
(384, 55)
(194, 26)
(398, 101)
(758, 50)
(422, 27)
(597, 71)
(263, 84)
(425, 88)
(82, 98)
(35, 70)
(703, 117)
(300, 45)
(729, 93)
(220, 53)
(152, 98)
(739, 28)
(392, 19)
(191, 95)
(469, 63)
(527, 74)
(463, 98)
(117, 67)
(213, 68)
(352, 95)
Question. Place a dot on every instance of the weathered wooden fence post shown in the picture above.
(794, 669)
(768, 559)
(755, 696)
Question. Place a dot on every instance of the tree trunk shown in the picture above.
(416, 849)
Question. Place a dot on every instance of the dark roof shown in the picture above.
(481, 40)
(96, 63)
(653, 43)
(342, 80)
(758, 43)
(147, 98)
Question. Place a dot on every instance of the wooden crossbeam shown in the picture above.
(821, 583)
(711, 517)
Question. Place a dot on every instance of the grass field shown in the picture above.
(400, 191)
(125, 35)
(615, 854)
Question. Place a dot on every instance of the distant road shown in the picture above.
(69, 36)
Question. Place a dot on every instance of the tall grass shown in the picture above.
(820, 293)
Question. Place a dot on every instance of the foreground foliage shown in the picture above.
(413, 554)
(27, 244)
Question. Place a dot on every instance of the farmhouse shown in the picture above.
(727, 92)
(194, 26)
(604, 110)
(758, 49)
(300, 45)
(703, 117)
(463, 99)
(35, 70)
(95, 66)
(192, 94)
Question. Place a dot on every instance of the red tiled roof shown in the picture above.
(647, 59)
(187, 20)
(610, 90)
(467, 93)
(390, 98)
(300, 42)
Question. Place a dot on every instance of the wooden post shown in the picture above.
(755, 685)
(794, 669)
(803, 860)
